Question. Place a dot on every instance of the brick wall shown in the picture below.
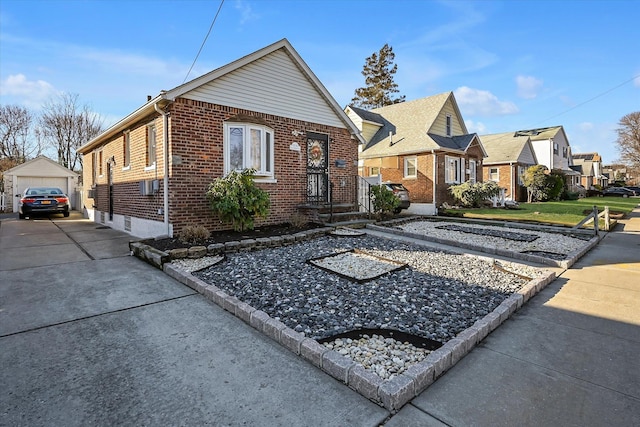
(196, 159)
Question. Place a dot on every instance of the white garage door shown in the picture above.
(39, 181)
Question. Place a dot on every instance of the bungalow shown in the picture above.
(508, 157)
(424, 144)
(148, 173)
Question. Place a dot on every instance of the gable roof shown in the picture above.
(168, 96)
(407, 128)
(585, 167)
(540, 134)
(41, 166)
(593, 157)
(505, 147)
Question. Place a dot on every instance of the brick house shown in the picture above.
(589, 165)
(148, 173)
(424, 144)
(508, 157)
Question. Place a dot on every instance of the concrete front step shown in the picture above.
(356, 223)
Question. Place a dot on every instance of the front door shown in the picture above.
(317, 167)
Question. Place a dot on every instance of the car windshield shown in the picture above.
(44, 191)
(397, 187)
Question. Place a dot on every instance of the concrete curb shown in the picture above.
(391, 394)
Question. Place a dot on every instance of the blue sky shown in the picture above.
(511, 64)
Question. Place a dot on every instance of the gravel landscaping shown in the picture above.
(437, 296)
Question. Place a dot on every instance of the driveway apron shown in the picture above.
(92, 336)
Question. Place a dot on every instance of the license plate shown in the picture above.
(46, 202)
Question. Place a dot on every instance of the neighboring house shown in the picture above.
(508, 157)
(148, 173)
(618, 172)
(552, 149)
(424, 144)
(38, 172)
(590, 167)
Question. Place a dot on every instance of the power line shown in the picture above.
(589, 100)
(204, 41)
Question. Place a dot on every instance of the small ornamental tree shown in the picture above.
(471, 195)
(535, 179)
(237, 199)
(384, 201)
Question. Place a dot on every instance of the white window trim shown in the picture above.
(456, 165)
(152, 166)
(126, 142)
(415, 166)
(261, 176)
(473, 171)
(497, 174)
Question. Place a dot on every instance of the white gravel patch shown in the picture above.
(546, 242)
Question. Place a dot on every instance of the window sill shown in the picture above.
(266, 180)
(126, 168)
(150, 168)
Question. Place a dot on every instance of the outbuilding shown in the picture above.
(39, 172)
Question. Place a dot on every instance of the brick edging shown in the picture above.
(391, 394)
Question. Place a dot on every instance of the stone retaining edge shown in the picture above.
(573, 257)
(391, 394)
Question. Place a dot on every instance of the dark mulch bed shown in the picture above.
(229, 235)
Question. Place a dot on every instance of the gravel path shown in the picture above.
(437, 296)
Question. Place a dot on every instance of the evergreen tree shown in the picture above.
(380, 87)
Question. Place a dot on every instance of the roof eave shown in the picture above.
(124, 123)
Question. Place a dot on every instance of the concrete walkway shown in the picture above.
(570, 357)
(92, 336)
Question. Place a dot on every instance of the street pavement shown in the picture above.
(92, 336)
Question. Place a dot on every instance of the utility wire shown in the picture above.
(204, 41)
(589, 100)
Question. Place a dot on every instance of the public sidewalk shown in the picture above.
(569, 357)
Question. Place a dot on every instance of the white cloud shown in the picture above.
(586, 126)
(476, 127)
(246, 13)
(528, 86)
(476, 102)
(31, 93)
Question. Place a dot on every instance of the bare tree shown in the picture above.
(629, 139)
(17, 138)
(66, 126)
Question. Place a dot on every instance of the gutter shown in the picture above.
(165, 149)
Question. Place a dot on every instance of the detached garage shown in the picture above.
(39, 172)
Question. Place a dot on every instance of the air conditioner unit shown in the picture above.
(91, 194)
(149, 187)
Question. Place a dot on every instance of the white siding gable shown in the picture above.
(439, 126)
(526, 156)
(273, 85)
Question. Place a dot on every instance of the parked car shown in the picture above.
(43, 200)
(618, 192)
(634, 189)
(401, 193)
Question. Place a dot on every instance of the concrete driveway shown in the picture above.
(92, 336)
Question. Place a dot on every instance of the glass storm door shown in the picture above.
(317, 167)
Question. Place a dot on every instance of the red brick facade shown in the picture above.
(421, 187)
(196, 132)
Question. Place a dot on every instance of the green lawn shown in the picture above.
(566, 212)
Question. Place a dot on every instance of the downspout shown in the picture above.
(435, 178)
(165, 185)
(511, 183)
